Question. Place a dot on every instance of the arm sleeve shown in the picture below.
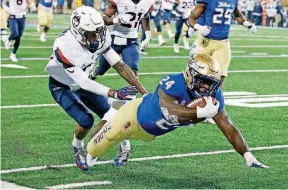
(79, 76)
(111, 56)
(171, 86)
(63, 58)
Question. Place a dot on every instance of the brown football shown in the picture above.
(199, 102)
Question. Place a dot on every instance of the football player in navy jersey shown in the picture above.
(166, 110)
(212, 20)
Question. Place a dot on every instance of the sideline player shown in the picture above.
(167, 109)
(45, 17)
(212, 20)
(182, 13)
(75, 52)
(17, 18)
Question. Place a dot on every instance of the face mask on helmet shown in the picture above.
(95, 39)
(200, 84)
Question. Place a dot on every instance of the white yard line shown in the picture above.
(143, 159)
(164, 57)
(151, 73)
(73, 185)
(7, 185)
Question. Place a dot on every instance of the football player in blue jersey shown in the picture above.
(168, 109)
(212, 20)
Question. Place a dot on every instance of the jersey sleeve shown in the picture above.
(203, 1)
(63, 55)
(220, 98)
(171, 85)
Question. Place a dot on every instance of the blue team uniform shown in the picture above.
(46, 3)
(149, 114)
(217, 15)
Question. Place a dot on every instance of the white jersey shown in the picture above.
(18, 8)
(137, 12)
(184, 8)
(168, 4)
(73, 54)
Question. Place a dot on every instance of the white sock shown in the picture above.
(125, 145)
(160, 38)
(77, 143)
(169, 33)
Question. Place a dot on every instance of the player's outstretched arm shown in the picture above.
(243, 21)
(234, 136)
(126, 73)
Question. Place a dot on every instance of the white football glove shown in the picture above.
(252, 162)
(204, 30)
(32, 7)
(251, 26)
(209, 111)
(55, 4)
(153, 13)
(122, 19)
(145, 42)
(191, 31)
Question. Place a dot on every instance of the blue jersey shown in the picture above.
(156, 120)
(217, 15)
(46, 3)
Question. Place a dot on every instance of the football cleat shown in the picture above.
(176, 48)
(43, 37)
(143, 52)
(13, 57)
(80, 158)
(161, 43)
(122, 157)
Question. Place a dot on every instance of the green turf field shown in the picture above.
(38, 136)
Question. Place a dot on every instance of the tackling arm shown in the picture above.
(195, 14)
(181, 112)
(126, 73)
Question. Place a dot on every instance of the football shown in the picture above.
(199, 102)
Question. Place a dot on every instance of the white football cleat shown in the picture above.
(176, 48)
(186, 43)
(161, 43)
(13, 57)
(43, 37)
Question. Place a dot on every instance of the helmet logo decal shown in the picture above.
(76, 20)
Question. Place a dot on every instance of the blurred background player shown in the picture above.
(45, 16)
(127, 16)
(183, 11)
(74, 57)
(3, 24)
(155, 15)
(212, 20)
(167, 7)
(17, 18)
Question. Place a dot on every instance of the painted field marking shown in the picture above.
(7, 185)
(258, 53)
(142, 159)
(13, 66)
(151, 73)
(73, 185)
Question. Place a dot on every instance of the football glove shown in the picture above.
(7, 9)
(122, 19)
(252, 162)
(203, 30)
(145, 42)
(209, 111)
(93, 74)
(125, 93)
(251, 26)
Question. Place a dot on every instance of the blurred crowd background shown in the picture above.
(262, 12)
